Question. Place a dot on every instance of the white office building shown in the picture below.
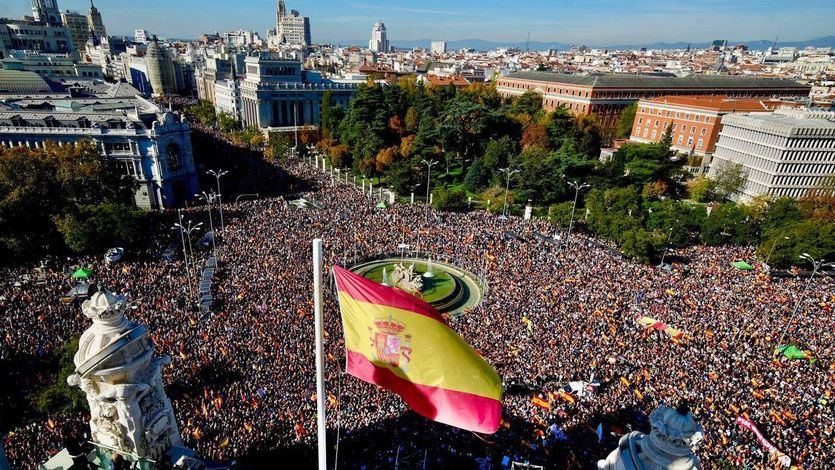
(438, 47)
(379, 41)
(141, 36)
(785, 153)
(291, 29)
(228, 97)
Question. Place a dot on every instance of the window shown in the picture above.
(703, 131)
(174, 157)
(699, 145)
(640, 120)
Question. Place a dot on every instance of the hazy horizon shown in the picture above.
(595, 22)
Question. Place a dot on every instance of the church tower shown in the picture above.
(47, 11)
(96, 23)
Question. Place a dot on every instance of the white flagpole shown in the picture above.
(320, 357)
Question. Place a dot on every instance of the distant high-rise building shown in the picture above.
(438, 47)
(160, 69)
(378, 42)
(141, 36)
(47, 11)
(96, 23)
(292, 29)
(78, 26)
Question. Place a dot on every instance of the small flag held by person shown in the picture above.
(401, 343)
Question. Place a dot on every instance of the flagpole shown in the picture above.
(320, 360)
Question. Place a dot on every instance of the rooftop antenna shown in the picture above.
(774, 45)
(528, 45)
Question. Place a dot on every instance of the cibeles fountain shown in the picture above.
(130, 415)
(669, 445)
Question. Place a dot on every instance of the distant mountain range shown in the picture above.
(481, 45)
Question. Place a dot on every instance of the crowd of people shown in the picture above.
(242, 377)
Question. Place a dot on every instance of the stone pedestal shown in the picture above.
(118, 371)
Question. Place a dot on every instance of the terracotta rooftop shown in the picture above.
(719, 103)
(456, 80)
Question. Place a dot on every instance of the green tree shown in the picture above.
(626, 121)
(700, 188)
(404, 177)
(780, 214)
(729, 224)
(58, 396)
(639, 244)
(560, 214)
(729, 179)
(529, 102)
(99, 226)
(449, 199)
(816, 237)
(227, 122)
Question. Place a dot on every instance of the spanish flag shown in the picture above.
(401, 343)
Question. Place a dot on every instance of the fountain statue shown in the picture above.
(385, 277)
(429, 272)
(406, 279)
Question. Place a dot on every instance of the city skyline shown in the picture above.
(596, 23)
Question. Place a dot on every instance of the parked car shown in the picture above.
(114, 254)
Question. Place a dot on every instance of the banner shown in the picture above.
(767, 445)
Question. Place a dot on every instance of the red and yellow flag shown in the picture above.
(401, 343)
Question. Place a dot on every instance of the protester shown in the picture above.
(242, 375)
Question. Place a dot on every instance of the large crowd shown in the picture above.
(242, 374)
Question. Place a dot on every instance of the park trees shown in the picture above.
(41, 190)
(729, 179)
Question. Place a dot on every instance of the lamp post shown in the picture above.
(816, 265)
(428, 164)
(509, 172)
(666, 247)
(186, 231)
(179, 226)
(210, 199)
(772, 249)
(577, 188)
(218, 174)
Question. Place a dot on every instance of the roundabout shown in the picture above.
(446, 287)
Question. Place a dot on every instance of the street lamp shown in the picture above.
(816, 265)
(772, 249)
(428, 164)
(666, 247)
(179, 226)
(218, 174)
(186, 231)
(210, 199)
(509, 172)
(577, 188)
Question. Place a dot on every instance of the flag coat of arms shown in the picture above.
(401, 343)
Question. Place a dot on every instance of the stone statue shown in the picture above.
(406, 279)
(670, 444)
(116, 368)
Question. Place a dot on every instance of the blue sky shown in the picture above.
(593, 22)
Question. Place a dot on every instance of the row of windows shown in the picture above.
(576, 107)
(811, 143)
(82, 123)
(678, 114)
(756, 136)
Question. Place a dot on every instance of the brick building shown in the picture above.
(695, 120)
(606, 94)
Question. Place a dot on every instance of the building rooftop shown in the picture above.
(787, 123)
(617, 80)
(19, 81)
(718, 103)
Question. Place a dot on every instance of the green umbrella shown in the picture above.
(381, 205)
(742, 265)
(791, 351)
(82, 273)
